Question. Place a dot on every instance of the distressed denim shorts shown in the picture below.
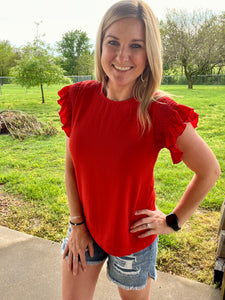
(128, 272)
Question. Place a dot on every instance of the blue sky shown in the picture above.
(18, 17)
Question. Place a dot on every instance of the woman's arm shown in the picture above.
(199, 158)
(79, 239)
(71, 186)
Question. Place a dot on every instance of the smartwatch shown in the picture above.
(172, 221)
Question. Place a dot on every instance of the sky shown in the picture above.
(19, 18)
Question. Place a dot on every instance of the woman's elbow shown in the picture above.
(209, 173)
(217, 171)
(214, 172)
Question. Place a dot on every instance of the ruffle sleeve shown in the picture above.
(172, 119)
(67, 99)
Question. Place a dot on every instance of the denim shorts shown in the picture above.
(129, 272)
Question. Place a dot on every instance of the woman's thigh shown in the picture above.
(81, 286)
(132, 272)
(143, 294)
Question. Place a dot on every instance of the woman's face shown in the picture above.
(123, 52)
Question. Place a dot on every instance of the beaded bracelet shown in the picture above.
(76, 224)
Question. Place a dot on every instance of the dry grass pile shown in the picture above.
(21, 125)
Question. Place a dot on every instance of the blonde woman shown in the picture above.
(115, 128)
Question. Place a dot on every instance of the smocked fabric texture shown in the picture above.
(114, 161)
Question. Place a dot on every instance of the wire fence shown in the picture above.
(74, 79)
(166, 80)
(79, 78)
(199, 80)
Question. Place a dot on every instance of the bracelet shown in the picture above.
(76, 224)
(74, 218)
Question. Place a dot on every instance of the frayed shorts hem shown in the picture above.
(90, 263)
(129, 288)
(95, 263)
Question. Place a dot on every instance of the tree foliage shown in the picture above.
(8, 57)
(85, 63)
(37, 67)
(73, 47)
(194, 41)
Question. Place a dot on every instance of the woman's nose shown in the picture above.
(123, 54)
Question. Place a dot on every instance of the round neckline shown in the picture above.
(116, 101)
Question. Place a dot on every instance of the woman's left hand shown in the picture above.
(154, 222)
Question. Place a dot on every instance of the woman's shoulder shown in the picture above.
(81, 85)
(162, 103)
(87, 87)
(164, 98)
(88, 84)
(165, 108)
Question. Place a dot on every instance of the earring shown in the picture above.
(106, 77)
(142, 79)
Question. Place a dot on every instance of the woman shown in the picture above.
(115, 128)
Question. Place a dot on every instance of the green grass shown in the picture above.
(209, 102)
(34, 168)
(32, 177)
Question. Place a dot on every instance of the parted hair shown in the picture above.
(144, 89)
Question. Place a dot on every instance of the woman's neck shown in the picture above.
(118, 93)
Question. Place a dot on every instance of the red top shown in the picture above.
(113, 162)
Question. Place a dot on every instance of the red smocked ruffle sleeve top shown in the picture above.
(114, 162)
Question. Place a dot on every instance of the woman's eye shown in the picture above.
(136, 46)
(113, 43)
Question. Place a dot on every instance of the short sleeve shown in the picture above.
(170, 121)
(67, 99)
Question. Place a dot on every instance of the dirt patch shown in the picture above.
(195, 254)
(6, 204)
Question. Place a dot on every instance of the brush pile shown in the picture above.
(21, 125)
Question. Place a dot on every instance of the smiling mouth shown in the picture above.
(122, 68)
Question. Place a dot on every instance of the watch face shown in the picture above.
(172, 221)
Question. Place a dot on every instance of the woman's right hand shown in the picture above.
(78, 243)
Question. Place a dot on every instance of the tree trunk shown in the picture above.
(190, 84)
(42, 94)
(220, 68)
(188, 77)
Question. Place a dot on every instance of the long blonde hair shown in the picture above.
(145, 88)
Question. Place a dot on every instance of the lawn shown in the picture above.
(33, 191)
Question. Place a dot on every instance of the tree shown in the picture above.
(73, 46)
(85, 63)
(8, 57)
(37, 67)
(193, 41)
(219, 28)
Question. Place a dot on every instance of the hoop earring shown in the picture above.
(106, 78)
(142, 79)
